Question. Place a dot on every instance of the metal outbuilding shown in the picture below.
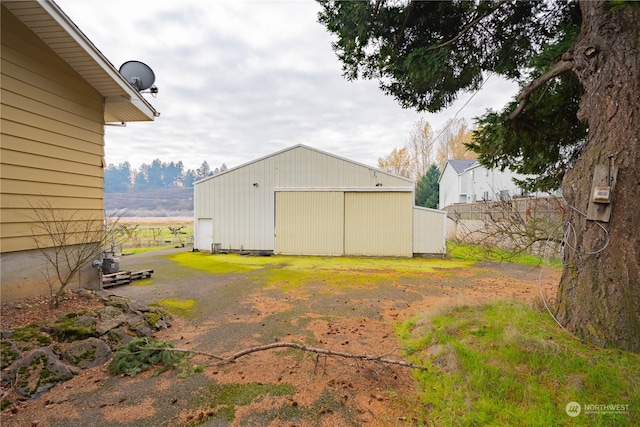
(303, 201)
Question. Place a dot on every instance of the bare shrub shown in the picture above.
(67, 241)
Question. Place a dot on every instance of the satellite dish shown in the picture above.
(139, 75)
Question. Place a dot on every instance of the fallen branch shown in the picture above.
(185, 350)
(235, 356)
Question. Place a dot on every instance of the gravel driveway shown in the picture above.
(234, 311)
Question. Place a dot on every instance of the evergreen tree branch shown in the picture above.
(558, 69)
(468, 27)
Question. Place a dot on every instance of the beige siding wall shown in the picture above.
(309, 223)
(52, 137)
(243, 213)
(428, 231)
(378, 224)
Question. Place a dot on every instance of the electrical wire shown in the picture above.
(462, 108)
(540, 290)
(569, 229)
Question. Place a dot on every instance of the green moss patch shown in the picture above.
(348, 272)
(289, 272)
(29, 337)
(73, 327)
(225, 397)
(142, 282)
(220, 264)
(178, 307)
(8, 353)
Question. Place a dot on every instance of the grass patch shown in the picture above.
(220, 264)
(178, 307)
(136, 238)
(349, 272)
(465, 252)
(289, 272)
(506, 364)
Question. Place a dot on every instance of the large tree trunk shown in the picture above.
(599, 294)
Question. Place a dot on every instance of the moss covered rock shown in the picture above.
(88, 353)
(37, 372)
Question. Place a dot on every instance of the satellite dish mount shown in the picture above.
(139, 75)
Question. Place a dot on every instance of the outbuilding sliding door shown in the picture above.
(378, 223)
(344, 223)
(309, 222)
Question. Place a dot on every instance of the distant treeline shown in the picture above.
(163, 202)
(123, 178)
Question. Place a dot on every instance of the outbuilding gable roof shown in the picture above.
(123, 103)
(409, 181)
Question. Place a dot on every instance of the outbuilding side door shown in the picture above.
(204, 234)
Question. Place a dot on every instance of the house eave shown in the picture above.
(123, 103)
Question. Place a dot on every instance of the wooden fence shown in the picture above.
(551, 209)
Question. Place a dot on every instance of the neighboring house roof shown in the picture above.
(409, 181)
(123, 103)
(460, 165)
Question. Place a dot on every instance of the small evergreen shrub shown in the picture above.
(142, 354)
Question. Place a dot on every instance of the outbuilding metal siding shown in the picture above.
(241, 201)
(429, 231)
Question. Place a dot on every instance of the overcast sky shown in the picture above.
(240, 79)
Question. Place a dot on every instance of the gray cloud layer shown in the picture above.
(240, 79)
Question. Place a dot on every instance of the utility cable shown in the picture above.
(569, 229)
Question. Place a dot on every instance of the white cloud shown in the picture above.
(239, 79)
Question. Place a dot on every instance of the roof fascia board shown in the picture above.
(473, 166)
(79, 37)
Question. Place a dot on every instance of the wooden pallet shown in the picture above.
(124, 277)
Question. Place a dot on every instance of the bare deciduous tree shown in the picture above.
(397, 162)
(67, 241)
(421, 147)
(517, 225)
(452, 142)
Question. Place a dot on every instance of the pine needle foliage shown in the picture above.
(142, 354)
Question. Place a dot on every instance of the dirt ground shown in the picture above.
(233, 312)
